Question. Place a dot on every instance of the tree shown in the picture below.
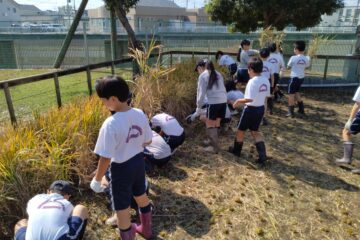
(121, 7)
(248, 15)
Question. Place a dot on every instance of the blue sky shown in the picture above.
(54, 4)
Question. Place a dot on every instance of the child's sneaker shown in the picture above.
(112, 221)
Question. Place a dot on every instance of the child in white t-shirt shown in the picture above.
(52, 216)
(169, 128)
(256, 92)
(297, 63)
(268, 72)
(157, 153)
(352, 127)
(120, 144)
(227, 61)
(277, 59)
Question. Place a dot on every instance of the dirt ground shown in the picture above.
(300, 194)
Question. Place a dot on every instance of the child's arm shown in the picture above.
(103, 165)
(238, 102)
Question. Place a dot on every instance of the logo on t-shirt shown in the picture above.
(134, 132)
(301, 62)
(51, 204)
(263, 88)
(273, 60)
(265, 69)
(168, 118)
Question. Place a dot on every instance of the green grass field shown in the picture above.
(39, 96)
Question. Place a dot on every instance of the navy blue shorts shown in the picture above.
(355, 126)
(251, 118)
(242, 76)
(150, 159)
(295, 85)
(215, 111)
(126, 181)
(276, 79)
(76, 230)
(232, 68)
(174, 141)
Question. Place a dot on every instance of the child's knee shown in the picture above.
(80, 211)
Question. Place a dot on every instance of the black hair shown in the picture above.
(213, 75)
(264, 52)
(109, 86)
(272, 47)
(218, 54)
(230, 85)
(300, 45)
(256, 65)
(243, 43)
(62, 187)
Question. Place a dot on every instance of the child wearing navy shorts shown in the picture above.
(352, 127)
(120, 144)
(244, 55)
(256, 92)
(210, 86)
(277, 59)
(226, 60)
(297, 63)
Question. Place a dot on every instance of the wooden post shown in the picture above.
(113, 39)
(88, 76)
(9, 103)
(326, 67)
(57, 90)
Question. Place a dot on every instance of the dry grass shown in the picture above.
(269, 35)
(316, 42)
(301, 194)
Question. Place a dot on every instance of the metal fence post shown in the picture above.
(9, 103)
(326, 67)
(88, 77)
(57, 90)
(171, 59)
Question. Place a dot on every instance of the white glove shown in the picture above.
(96, 186)
(193, 116)
(348, 124)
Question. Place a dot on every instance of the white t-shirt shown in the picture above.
(48, 216)
(168, 124)
(226, 60)
(298, 64)
(257, 89)
(234, 95)
(268, 69)
(123, 135)
(245, 57)
(356, 97)
(158, 147)
(278, 61)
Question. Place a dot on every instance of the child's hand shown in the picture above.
(236, 104)
(96, 186)
(348, 124)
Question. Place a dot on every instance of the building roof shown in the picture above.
(157, 3)
(29, 7)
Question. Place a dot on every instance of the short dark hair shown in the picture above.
(300, 45)
(256, 65)
(230, 86)
(62, 187)
(264, 52)
(109, 86)
(245, 42)
(272, 47)
(217, 55)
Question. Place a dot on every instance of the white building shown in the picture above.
(344, 17)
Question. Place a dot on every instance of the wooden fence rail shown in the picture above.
(5, 85)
